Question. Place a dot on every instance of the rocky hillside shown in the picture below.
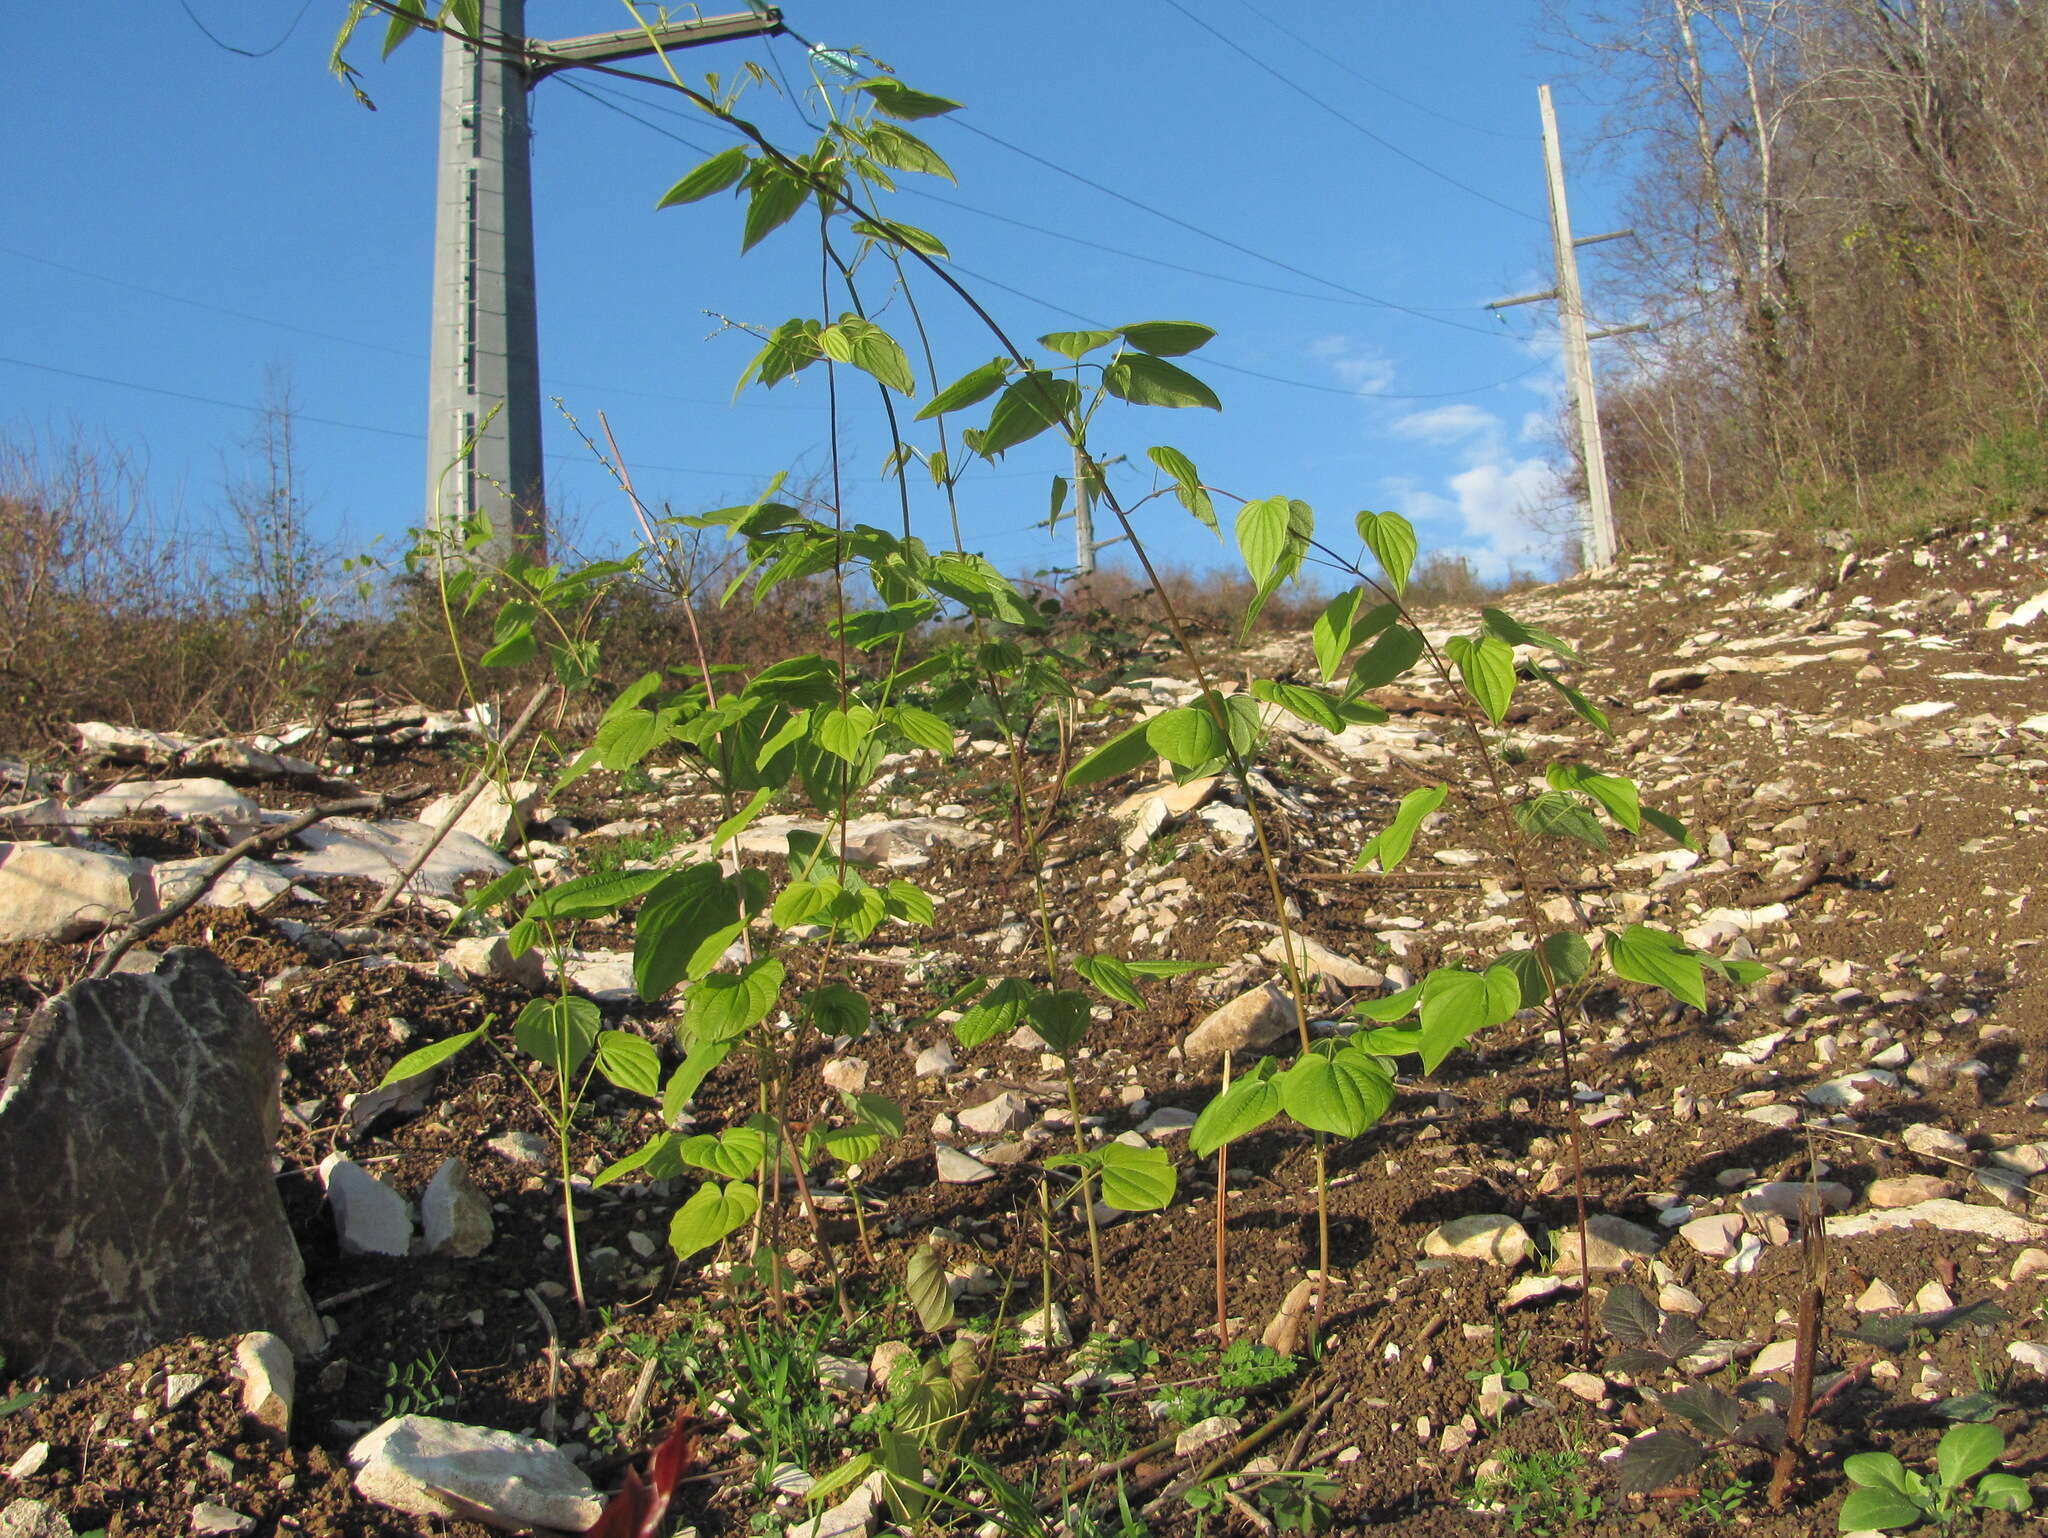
(1859, 744)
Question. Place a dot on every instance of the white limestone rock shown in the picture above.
(245, 884)
(1006, 1112)
(497, 817)
(957, 1168)
(48, 892)
(435, 1468)
(186, 800)
(369, 1217)
(489, 956)
(1950, 1216)
(378, 851)
(1251, 1022)
(1492, 1237)
(1612, 1244)
(269, 1380)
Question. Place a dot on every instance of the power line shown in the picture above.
(201, 304)
(1222, 240)
(1136, 256)
(1350, 122)
(1372, 84)
(1059, 309)
(611, 106)
(1252, 373)
(306, 416)
(354, 341)
(1207, 234)
(247, 53)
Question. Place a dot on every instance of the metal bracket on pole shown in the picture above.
(631, 42)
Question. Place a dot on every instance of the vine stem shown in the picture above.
(1223, 1225)
(569, 1193)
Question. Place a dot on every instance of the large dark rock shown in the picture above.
(138, 1203)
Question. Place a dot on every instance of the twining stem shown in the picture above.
(825, 1250)
(1223, 1225)
(1087, 1192)
(1045, 1253)
(568, 1191)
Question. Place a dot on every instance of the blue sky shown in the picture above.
(184, 221)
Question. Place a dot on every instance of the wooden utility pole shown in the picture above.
(1598, 541)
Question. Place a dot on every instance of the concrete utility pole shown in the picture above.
(1086, 545)
(1598, 540)
(485, 353)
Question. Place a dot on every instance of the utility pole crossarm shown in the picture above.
(1502, 304)
(632, 42)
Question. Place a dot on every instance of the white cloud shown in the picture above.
(1357, 365)
(1449, 424)
(1488, 511)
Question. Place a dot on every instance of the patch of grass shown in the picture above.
(618, 853)
(1544, 1494)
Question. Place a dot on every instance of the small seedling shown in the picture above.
(414, 1388)
(1509, 1364)
(1889, 1494)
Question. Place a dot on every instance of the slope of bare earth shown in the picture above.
(1860, 746)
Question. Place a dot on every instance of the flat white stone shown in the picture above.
(212, 1517)
(1612, 1244)
(1920, 710)
(853, 1517)
(1790, 1198)
(435, 1468)
(378, 851)
(1045, 1329)
(1950, 1216)
(845, 1073)
(1778, 1356)
(1165, 1122)
(269, 1379)
(842, 1374)
(245, 884)
(2030, 1354)
(960, 1169)
(1251, 1022)
(1200, 1435)
(495, 817)
(1006, 1112)
(214, 800)
(490, 956)
(1935, 1142)
(1714, 1236)
(1318, 959)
